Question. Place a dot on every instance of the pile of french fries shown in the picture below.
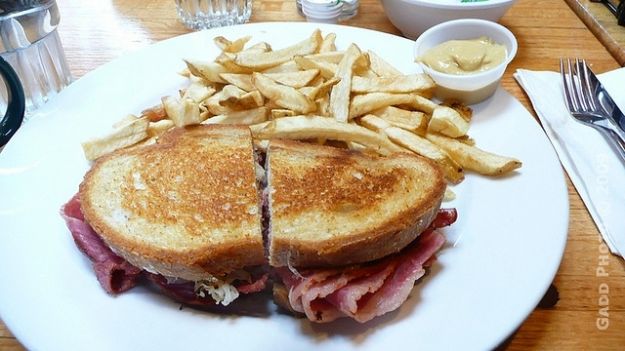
(311, 91)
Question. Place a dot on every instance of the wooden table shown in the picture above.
(96, 32)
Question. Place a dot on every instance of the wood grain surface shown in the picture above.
(603, 24)
(96, 32)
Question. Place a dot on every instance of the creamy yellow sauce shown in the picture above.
(465, 56)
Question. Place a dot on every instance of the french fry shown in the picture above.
(246, 101)
(271, 105)
(309, 92)
(294, 79)
(232, 98)
(207, 70)
(231, 92)
(447, 121)
(269, 59)
(311, 127)
(156, 129)
(451, 169)
(414, 83)
(182, 112)
(326, 69)
(363, 104)
(226, 59)
(284, 96)
(357, 147)
(413, 121)
(325, 87)
(320, 90)
(145, 142)
(373, 123)
(381, 67)
(280, 113)
(474, 159)
(464, 111)
(198, 91)
(258, 47)
(327, 45)
(340, 94)
(231, 46)
(467, 140)
(453, 172)
(125, 135)
(362, 65)
(323, 106)
(289, 66)
(221, 42)
(128, 119)
(253, 116)
(317, 81)
(331, 57)
(242, 81)
(213, 106)
(366, 74)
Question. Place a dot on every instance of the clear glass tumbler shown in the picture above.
(203, 14)
(30, 43)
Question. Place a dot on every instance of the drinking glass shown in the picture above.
(30, 43)
(203, 14)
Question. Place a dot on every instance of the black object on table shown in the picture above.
(617, 10)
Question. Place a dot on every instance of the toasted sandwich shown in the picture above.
(343, 228)
(343, 233)
(185, 211)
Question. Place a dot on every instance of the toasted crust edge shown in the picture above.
(371, 246)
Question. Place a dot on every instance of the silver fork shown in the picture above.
(581, 92)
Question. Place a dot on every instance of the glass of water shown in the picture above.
(203, 14)
(30, 43)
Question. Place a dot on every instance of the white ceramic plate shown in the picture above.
(503, 251)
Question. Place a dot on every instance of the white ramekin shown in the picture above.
(470, 88)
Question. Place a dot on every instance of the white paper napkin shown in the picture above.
(596, 171)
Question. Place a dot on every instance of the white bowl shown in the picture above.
(413, 17)
(469, 88)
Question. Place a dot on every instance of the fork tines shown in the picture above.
(578, 85)
(581, 94)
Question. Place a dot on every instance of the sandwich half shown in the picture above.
(349, 234)
(184, 213)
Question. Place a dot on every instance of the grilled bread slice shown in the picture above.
(185, 207)
(330, 206)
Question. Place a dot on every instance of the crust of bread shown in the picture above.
(333, 206)
(185, 207)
